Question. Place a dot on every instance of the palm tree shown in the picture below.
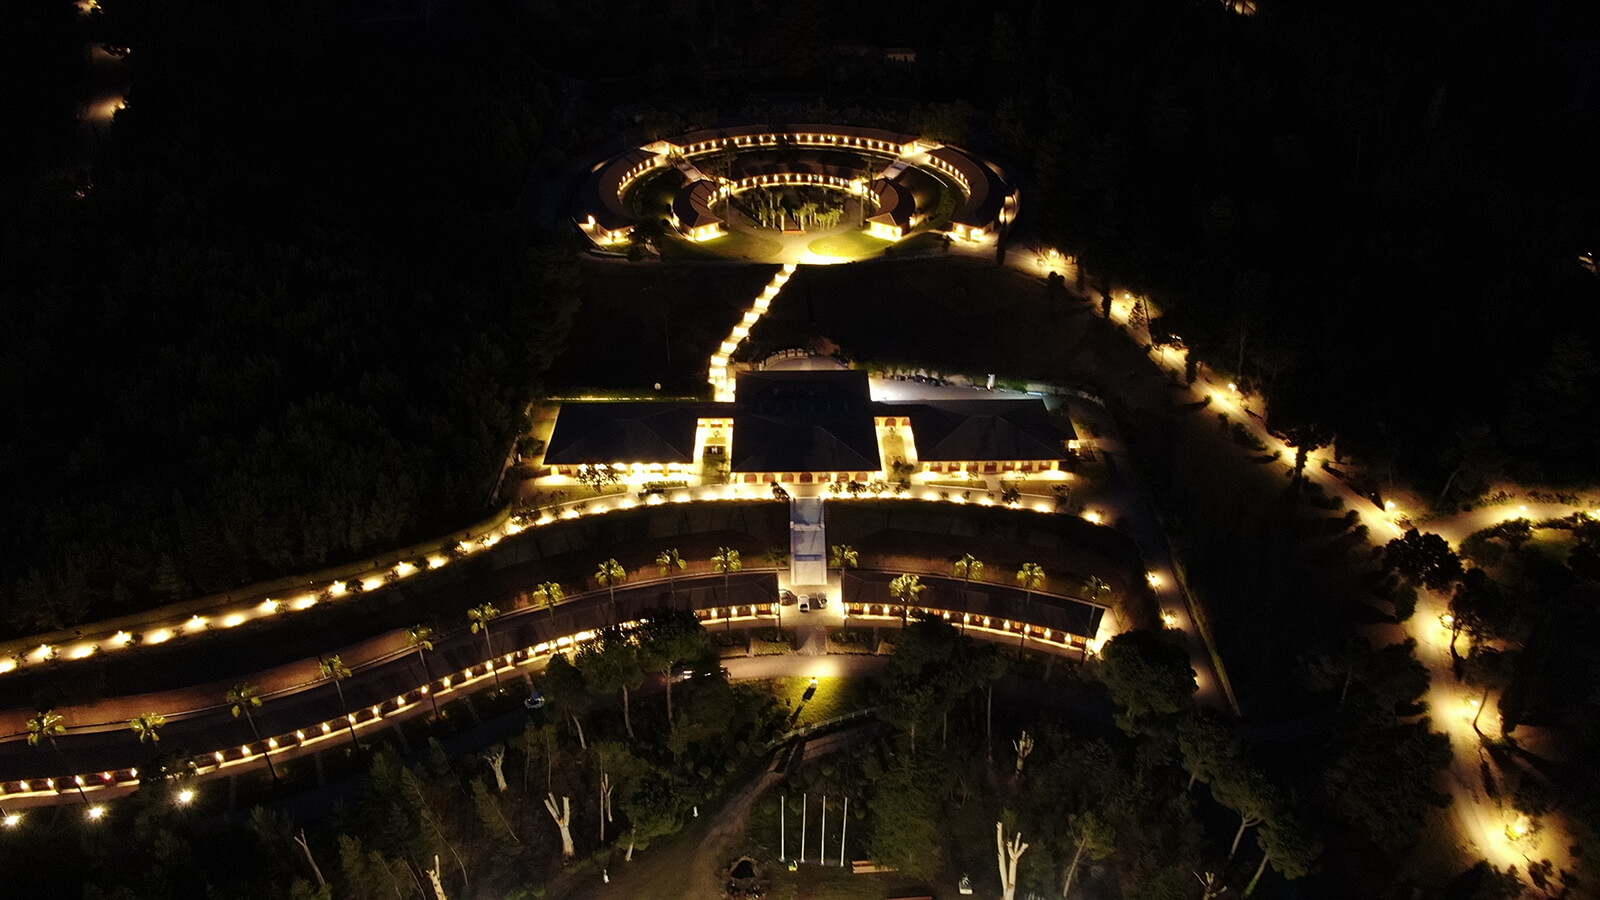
(670, 562)
(333, 667)
(906, 588)
(1031, 577)
(44, 726)
(841, 557)
(609, 575)
(480, 616)
(148, 727)
(969, 569)
(548, 595)
(727, 561)
(420, 638)
(242, 698)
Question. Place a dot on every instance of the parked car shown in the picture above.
(819, 600)
(684, 672)
(805, 603)
(786, 598)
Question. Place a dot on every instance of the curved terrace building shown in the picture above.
(988, 201)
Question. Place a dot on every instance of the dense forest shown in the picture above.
(296, 316)
(293, 320)
(968, 734)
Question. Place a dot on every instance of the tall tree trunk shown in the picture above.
(271, 769)
(493, 669)
(988, 723)
(579, 725)
(422, 658)
(349, 722)
(668, 673)
(1072, 867)
(1250, 888)
(1244, 823)
(627, 714)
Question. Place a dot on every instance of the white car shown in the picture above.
(805, 603)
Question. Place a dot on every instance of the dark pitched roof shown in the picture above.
(625, 432)
(804, 422)
(692, 204)
(959, 430)
(986, 193)
(895, 201)
(718, 136)
(599, 196)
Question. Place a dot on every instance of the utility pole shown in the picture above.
(803, 803)
(843, 829)
(822, 838)
(782, 832)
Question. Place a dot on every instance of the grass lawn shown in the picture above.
(834, 697)
(644, 323)
(848, 245)
(735, 245)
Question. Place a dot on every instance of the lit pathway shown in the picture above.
(722, 380)
(1485, 828)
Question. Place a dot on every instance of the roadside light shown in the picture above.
(96, 813)
(11, 820)
(185, 797)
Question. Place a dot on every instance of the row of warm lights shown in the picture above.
(717, 374)
(97, 812)
(198, 624)
(247, 752)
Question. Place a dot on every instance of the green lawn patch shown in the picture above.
(848, 245)
(834, 697)
(735, 245)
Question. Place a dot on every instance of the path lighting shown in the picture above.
(1447, 621)
(233, 621)
(1153, 578)
(1169, 619)
(1388, 506)
(1519, 829)
(158, 636)
(1092, 516)
(7, 665)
